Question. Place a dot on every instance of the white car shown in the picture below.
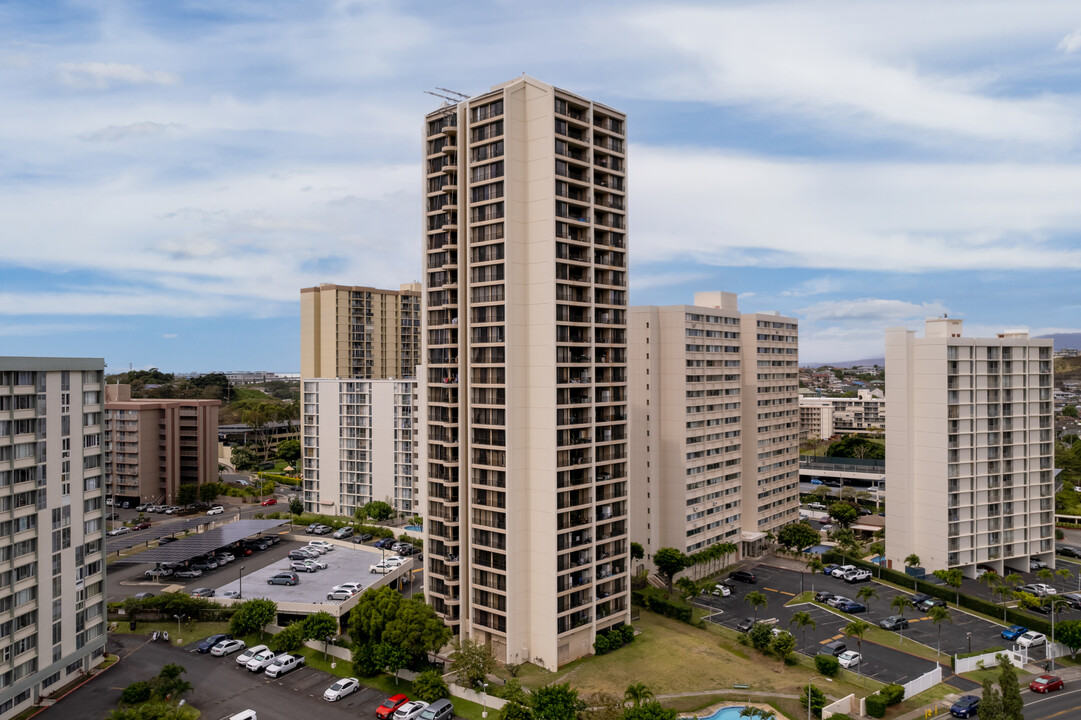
(248, 654)
(849, 659)
(858, 575)
(216, 510)
(382, 567)
(321, 543)
(842, 571)
(316, 549)
(353, 587)
(318, 564)
(1031, 639)
(120, 530)
(1042, 590)
(227, 647)
(410, 710)
(283, 664)
(345, 686)
(722, 590)
(261, 661)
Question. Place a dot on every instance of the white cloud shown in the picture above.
(17, 61)
(101, 75)
(170, 335)
(1071, 43)
(875, 311)
(114, 133)
(647, 281)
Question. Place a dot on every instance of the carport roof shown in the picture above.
(204, 542)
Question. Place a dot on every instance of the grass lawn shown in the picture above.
(188, 632)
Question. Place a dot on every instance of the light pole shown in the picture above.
(969, 636)
(484, 690)
(178, 619)
(809, 686)
(240, 580)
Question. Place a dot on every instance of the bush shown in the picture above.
(627, 632)
(893, 693)
(430, 686)
(760, 636)
(840, 716)
(600, 645)
(655, 600)
(137, 692)
(827, 665)
(283, 479)
(875, 705)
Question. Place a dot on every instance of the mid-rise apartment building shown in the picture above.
(714, 424)
(359, 332)
(970, 448)
(824, 417)
(523, 390)
(153, 446)
(358, 444)
(52, 535)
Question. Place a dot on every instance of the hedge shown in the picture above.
(283, 479)
(875, 705)
(979, 605)
(656, 600)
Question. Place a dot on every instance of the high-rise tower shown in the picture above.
(523, 391)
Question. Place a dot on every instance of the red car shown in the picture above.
(141, 526)
(392, 703)
(270, 501)
(1046, 683)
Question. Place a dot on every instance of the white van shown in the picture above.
(244, 715)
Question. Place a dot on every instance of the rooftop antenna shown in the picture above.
(449, 99)
(463, 96)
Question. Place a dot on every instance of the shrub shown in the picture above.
(840, 716)
(627, 631)
(893, 693)
(600, 645)
(137, 692)
(760, 636)
(655, 600)
(875, 705)
(430, 686)
(827, 665)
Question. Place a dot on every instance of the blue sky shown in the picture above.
(171, 174)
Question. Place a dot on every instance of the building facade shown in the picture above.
(153, 446)
(523, 390)
(359, 332)
(970, 451)
(714, 425)
(52, 535)
(824, 417)
(358, 444)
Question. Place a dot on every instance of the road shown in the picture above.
(1063, 705)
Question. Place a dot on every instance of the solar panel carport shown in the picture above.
(205, 542)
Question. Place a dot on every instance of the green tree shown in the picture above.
(803, 620)
(991, 702)
(378, 510)
(939, 615)
(187, 493)
(866, 594)
(1004, 592)
(169, 685)
(857, 629)
(637, 693)
(321, 626)
(557, 702)
(139, 691)
(637, 551)
(854, 446)
(687, 587)
(817, 698)
(516, 711)
(797, 535)
(1064, 574)
(471, 661)
(900, 603)
(843, 513)
(209, 492)
(430, 686)
(416, 629)
(783, 644)
(913, 561)
(296, 506)
(756, 600)
(289, 451)
(391, 658)
(252, 616)
(1069, 634)
(1012, 704)
(1070, 411)
(651, 710)
(878, 548)
(373, 611)
(289, 639)
(242, 457)
(953, 578)
(669, 562)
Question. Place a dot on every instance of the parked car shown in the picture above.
(823, 596)
(299, 554)
(745, 576)
(216, 510)
(1035, 564)
(1072, 599)
(283, 664)
(143, 595)
(323, 530)
(382, 567)
(328, 546)
(224, 557)
(202, 592)
(353, 587)
(227, 647)
(918, 598)
(1046, 684)
(1068, 551)
(188, 573)
(721, 590)
(283, 578)
(857, 575)
(834, 648)
(248, 654)
(207, 645)
(851, 606)
(828, 570)
(122, 530)
(340, 689)
(894, 622)
(390, 705)
(837, 600)
(1032, 639)
(269, 501)
(362, 537)
(343, 533)
(1014, 631)
(140, 526)
(410, 711)
(1038, 589)
(235, 594)
(849, 659)
(385, 543)
(260, 661)
(965, 707)
(338, 593)
(161, 572)
(140, 508)
(303, 566)
(745, 624)
(439, 710)
(929, 603)
(841, 570)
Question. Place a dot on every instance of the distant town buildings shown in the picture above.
(970, 449)
(52, 533)
(823, 417)
(153, 446)
(714, 424)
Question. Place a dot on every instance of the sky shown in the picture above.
(171, 174)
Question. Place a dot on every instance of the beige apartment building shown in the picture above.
(523, 390)
(358, 444)
(359, 332)
(714, 424)
(153, 446)
(970, 449)
(52, 534)
(824, 417)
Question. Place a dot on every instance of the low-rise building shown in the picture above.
(824, 417)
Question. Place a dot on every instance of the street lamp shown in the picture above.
(178, 619)
(809, 686)
(969, 636)
(240, 580)
(484, 689)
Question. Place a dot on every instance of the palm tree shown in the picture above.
(1004, 592)
(802, 620)
(939, 615)
(866, 593)
(1045, 574)
(990, 579)
(900, 603)
(1065, 574)
(687, 587)
(756, 600)
(752, 712)
(637, 694)
(912, 561)
(878, 548)
(815, 565)
(857, 629)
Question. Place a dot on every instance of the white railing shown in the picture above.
(850, 705)
(961, 665)
(923, 682)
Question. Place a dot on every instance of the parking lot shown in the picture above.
(885, 664)
(221, 687)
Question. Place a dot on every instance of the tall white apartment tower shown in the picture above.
(714, 425)
(523, 392)
(970, 449)
(52, 535)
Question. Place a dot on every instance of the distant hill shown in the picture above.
(869, 362)
(1065, 340)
